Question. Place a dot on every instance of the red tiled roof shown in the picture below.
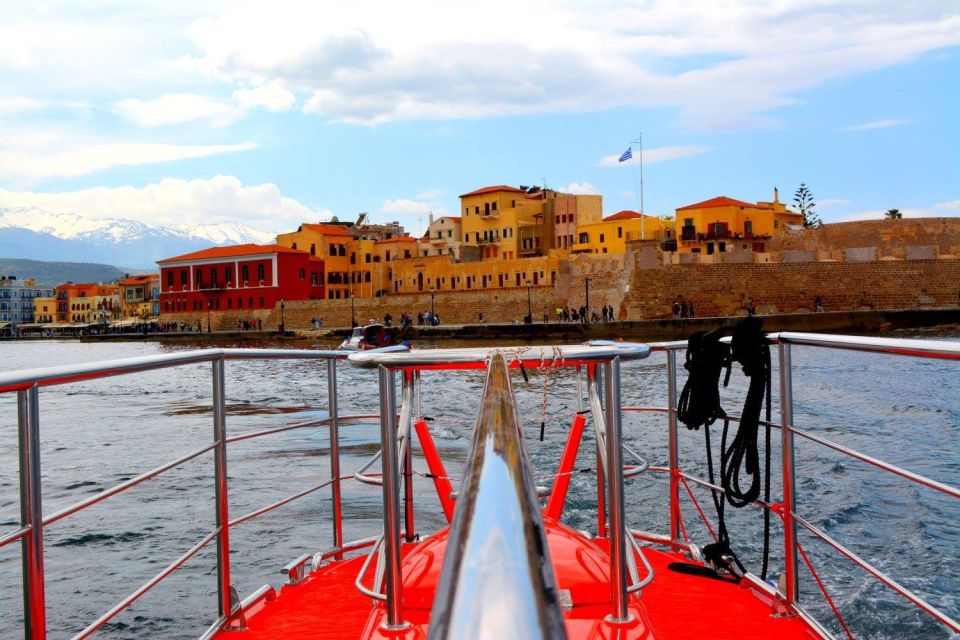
(135, 280)
(498, 188)
(234, 251)
(327, 229)
(626, 214)
(454, 218)
(720, 201)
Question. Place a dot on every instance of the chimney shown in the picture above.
(776, 195)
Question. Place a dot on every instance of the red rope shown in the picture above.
(826, 595)
(697, 505)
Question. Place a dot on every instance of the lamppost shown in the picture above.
(529, 318)
(432, 292)
(209, 307)
(282, 324)
(586, 293)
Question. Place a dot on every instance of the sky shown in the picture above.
(276, 113)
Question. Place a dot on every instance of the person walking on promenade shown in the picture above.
(676, 308)
(690, 310)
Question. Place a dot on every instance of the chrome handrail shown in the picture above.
(26, 384)
(594, 351)
(497, 579)
(933, 349)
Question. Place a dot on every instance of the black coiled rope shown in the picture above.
(699, 405)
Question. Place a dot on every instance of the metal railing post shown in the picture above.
(31, 514)
(334, 455)
(593, 381)
(789, 476)
(409, 378)
(618, 546)
(391, 498)
(674, 453)
(220, 483)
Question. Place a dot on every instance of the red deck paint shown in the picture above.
(674, 606)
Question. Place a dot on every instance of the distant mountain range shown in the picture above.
(50, 274)
(36, 234)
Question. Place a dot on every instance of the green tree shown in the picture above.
(893, 214)
(804, 201)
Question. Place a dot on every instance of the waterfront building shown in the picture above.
(45, 309)
(333, 243)
(500, 222)
(246, 276)
(87, 302)
(611, 234)
(140, 296)
(570, 212)
(443, 237)
(18, 299)
(716, 224)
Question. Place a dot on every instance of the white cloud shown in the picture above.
(177, 108)
(176, 202)
(580, 188)
(19, 104)
(953, 205)
(272, 96)
(876, 124)
(368, 63)
(413, 213)
(25, 163)
(650, 156)
(832, 202)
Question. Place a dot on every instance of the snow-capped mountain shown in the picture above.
(38, 234)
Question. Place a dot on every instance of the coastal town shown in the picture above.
(507, 243)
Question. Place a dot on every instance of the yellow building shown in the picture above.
(503, 222)
(440, 274)
(612, 234)
(45, 310)
(335, 245)
(718, 224)
(140, 296)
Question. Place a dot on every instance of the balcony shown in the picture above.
(494, 240)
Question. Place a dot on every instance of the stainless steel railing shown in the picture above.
(27, 383)
(784, 343)
(596, 356)
(497, 524)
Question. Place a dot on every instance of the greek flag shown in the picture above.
(626, 155)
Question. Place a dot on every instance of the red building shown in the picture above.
(245, 276)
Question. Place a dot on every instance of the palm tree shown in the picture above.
(804, 201)
(893, 214)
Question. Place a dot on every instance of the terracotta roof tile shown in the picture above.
(495, 189)
(233, 251)
(626, 214)
(135, 280)
(720, 201)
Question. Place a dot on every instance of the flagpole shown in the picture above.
(639, 189)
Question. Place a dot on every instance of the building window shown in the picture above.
(619, 232)
(748, 227)
(601, 238)
(294, 246)
(303, 274)
(261, 302)
(260, 275)
(228, 274)
(776, 224)
(245, 271)
(239, 303)
(199, 279)
(494, 206)
(170, 279)
(213, 278)
(229, 303)
(313, 249)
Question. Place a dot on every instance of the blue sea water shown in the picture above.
(98, 433)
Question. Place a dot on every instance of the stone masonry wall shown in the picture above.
(723, 289)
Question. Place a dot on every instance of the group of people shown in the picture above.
(244, 324)
(406, 319)
(683, 309)
(582, 315)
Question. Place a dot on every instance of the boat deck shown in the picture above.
(676, 606)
